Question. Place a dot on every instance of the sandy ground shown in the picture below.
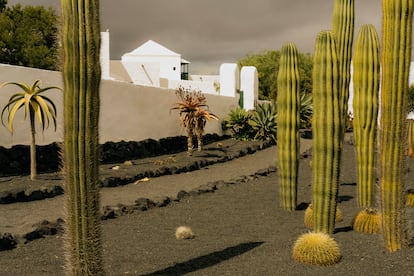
(240, 230)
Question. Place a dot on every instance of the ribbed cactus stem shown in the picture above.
(81, 77)
(396, 58)
(343, 28)
(288, 121)
(366, 79)
(326, 126)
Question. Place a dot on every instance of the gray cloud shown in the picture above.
(211, 32)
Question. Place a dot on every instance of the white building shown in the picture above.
(152, 64)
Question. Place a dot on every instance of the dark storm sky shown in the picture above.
(210, 32)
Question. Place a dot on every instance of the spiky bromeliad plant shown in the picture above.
(288, 123)
(36, 105)
(366, 92)
(396, 57)
(193, 115)
(326, 149)
(81, 78)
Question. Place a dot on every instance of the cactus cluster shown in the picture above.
(396, 58)
(288, 122)
(81, 78)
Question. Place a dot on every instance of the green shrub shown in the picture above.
(238, 122)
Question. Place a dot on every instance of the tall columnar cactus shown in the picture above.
(396, 58)
(343, 28)
(318, 247)
(366, 79)
(288, 121)
(326, 132)
(81, 77)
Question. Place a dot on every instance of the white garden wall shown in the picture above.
(128, 112)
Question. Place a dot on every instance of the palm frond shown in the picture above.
(39, 106)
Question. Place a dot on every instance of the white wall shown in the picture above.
(229, 79)
(204, 86)
(249, 84)
(104, 55)
(128, 112)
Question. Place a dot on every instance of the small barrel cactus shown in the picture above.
(368, 221)
(308, 219)
(316, 249)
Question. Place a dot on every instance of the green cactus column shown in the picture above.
(81, 77)
(343, 28)
(326, 127)
(288, 121)
(366, 79)
(396, 58)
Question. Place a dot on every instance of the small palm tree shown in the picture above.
(193, 115)
(37, 106)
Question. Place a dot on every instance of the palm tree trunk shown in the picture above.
(199, 140)
(32, 146)
(190, 146)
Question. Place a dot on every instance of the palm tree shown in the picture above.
(193, 115)
(37, 106)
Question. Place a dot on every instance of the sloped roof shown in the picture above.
(151, 48)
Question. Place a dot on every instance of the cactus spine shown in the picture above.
(396, 57)
(288, 121)
(343, 28)
(326, 132)
(81, 77)
(366, 87)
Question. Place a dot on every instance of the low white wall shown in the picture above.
(128, 112)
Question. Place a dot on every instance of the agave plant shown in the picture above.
(306, 110)
(193, 115)
(35, 105)
(264, 123)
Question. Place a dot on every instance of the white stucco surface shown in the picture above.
(229, 79)
(249, 84)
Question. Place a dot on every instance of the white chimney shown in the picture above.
(105, 55)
